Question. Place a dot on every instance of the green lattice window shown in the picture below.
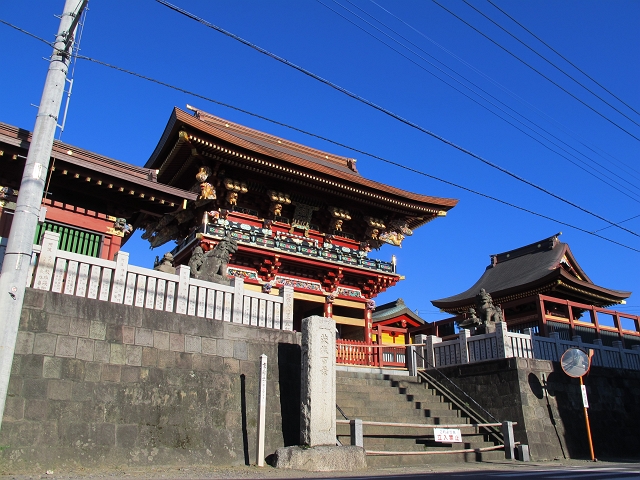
(72, 239)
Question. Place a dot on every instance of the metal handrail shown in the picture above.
(462, 405)
(422, 425)
(429, 378)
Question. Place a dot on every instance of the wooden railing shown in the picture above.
(571, 318)
(118, 282)
(356, 352)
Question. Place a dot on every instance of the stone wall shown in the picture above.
(97, 383)
(547, 405)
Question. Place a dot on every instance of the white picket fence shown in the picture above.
(504, 344)
(118, 282)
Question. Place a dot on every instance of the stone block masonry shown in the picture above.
(97, 383)
(547, 404)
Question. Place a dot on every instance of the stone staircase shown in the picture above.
(402, 399)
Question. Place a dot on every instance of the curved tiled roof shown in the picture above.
(532, 267)
(317, 161)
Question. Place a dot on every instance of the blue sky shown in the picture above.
(122, 117)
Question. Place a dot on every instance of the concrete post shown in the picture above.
(357, 435)
(420, 351)
(509, 441)
(428, 350)
(238, 299)
(523, 453)
(503, 341)
(318, 382)
(120, 277)
(463, 336)
(46, 262)
(411, 361)
(623, 357)
(559, 351)
(17, 260)
(182, 300)
(286, 293)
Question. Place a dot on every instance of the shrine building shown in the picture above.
(298, 216)
(542, 287)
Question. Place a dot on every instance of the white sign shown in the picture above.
(585, 400)
(448, 435)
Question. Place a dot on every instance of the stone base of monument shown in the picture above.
(321, 458)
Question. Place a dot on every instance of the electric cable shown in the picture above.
(532, 68)
(510, 93)
(597, 177)
(320, 137)
(27, 33)
(549, 62)
(565, 58)
(623, 221)
(386, 111)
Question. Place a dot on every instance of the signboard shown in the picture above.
(585, 400)
(448, 435)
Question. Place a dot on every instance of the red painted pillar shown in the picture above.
(368, 322)
(328, 305)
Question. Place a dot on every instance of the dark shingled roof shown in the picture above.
(393, 310)
(542, 266)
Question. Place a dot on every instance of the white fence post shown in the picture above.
(421, 355)
(556, 338)
(47, 260)
(463, 336)
(120, 277)
(429, 350)
(503, 341)
(238, 299)
(411, 360)
(623, 357)
(286, 292)
(184, 274)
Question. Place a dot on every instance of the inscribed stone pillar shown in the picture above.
(318, 382)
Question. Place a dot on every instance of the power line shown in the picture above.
(535, 70)
(565, 58)
(550, 62)
(623, 221)
(27, 33)
(386, 111)
(509, 92)
(599, 178)
(320, 137)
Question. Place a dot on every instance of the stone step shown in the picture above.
(389, 397)
(399, 399)
(413, 460)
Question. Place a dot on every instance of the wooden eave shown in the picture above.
(557, 280)
(215, 142)
(83, 164)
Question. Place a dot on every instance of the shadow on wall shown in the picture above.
(614, 407)
(540, 390)
(289, 357)
(243, 408)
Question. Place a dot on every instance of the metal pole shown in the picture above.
(15, 268)
(586, 418)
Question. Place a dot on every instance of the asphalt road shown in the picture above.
(499, 470)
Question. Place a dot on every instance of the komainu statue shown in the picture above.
(484, 316)
(212, 264)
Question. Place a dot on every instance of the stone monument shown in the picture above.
(318, 382)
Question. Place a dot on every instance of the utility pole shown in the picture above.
(17, 259)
